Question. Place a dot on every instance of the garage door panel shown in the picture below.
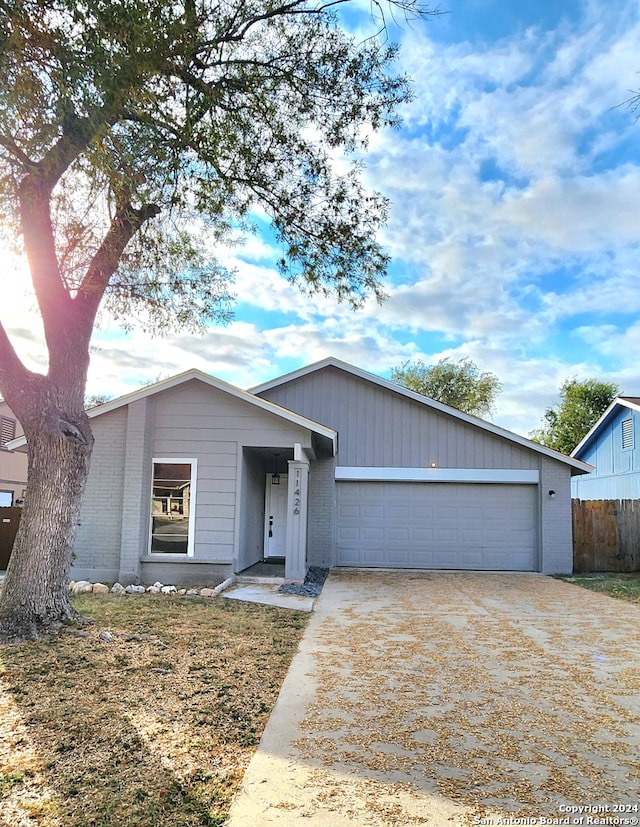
(447, 536)
(399, 558)
(471, 559)
(437, 525)
(445, 512)
(373, 557)
(424, 560)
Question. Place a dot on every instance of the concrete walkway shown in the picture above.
(427, 698)
(268, 594)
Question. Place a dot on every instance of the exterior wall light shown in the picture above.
(275, 477)
(433, 464)
(552, 493)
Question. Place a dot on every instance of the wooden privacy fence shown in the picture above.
(9, 522)
(606, 535)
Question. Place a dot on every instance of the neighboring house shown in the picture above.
(612, 447)
(193, 479)
(13, 466)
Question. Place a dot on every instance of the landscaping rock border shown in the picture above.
(86, 587)
(312, 586)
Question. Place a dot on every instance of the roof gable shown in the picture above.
(211, 381)
(620, 403)
(575, 464)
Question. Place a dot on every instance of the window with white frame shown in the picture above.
(627, 433)
(172, 506)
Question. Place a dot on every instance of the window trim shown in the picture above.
(628, 433)
(169, 555)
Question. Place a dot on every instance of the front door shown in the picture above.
(275, 518)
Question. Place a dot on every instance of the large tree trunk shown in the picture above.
(50, 408)
(35, 593)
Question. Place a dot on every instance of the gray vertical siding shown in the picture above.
(378, 427)
(381, 428)
(197, 421)
(190, 421)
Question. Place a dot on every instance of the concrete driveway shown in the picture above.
(428, 698)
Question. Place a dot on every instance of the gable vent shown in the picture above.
(7, 431)
(627, 433)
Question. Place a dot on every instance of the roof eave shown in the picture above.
(212, 381)
(618, 402)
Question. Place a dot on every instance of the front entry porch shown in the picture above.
(265, 570)
(272, 534)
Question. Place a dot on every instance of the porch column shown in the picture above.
(295, 566)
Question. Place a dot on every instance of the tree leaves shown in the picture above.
(582, 403)
(459, 384)
(209, 109)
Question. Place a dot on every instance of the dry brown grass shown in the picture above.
(155, 727)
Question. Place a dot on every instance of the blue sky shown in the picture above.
(514, 227)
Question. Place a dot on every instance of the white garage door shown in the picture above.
(437, 525)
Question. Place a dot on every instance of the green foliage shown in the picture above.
(186, 121)
(459, 384)
(620, 586)
(582, 403)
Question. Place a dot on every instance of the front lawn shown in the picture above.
(622, 586)
(146, 717)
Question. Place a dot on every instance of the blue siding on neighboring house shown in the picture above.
(616, 474)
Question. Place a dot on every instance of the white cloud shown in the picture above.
(583, 213)
(494, 269)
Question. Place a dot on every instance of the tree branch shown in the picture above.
(34, 194)
(12, 147)
(125, 224)
(76, 137)
(300, 7)
(14, 376)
